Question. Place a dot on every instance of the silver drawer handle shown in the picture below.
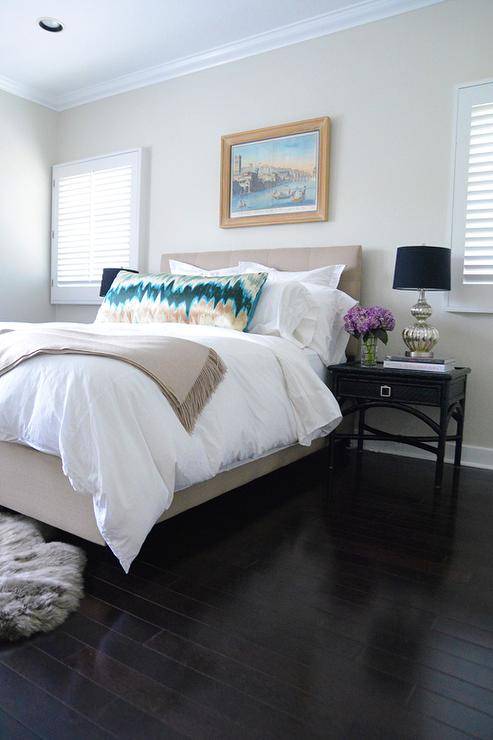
(385, 391)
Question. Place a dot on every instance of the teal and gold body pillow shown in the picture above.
(228, 301)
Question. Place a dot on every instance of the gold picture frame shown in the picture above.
(275, 175)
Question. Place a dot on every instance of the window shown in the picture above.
(95, 223)
(472, 210)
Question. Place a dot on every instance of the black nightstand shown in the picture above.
(360, 388)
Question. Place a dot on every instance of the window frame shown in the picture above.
(464, 297)
(84, 294)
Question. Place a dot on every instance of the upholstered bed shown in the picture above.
(33, 483)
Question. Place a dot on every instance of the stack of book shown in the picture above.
(427, 364)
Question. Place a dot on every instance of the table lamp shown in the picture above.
(421, 268)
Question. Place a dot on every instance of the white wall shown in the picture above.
(27, 151)
(389, 89)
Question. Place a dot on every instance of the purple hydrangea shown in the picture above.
(361, 321)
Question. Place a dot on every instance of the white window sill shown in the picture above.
(76, 302)
(76, 295)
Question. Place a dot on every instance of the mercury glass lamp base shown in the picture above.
(421, 338)
(420, 355)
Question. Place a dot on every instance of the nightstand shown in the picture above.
(358, 388)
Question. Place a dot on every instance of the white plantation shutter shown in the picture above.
(478, 252)
(95, 223)
(472, 217)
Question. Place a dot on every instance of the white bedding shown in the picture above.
(120, 441)
(315, 362)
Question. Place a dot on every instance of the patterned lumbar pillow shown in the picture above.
(228, 301)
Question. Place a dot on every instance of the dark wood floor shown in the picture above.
(274, 612)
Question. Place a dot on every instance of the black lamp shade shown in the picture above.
(422, 267)
(109, 274)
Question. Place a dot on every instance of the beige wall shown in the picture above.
(27, 150)
(389, 89)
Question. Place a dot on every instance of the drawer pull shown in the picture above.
(385, 391)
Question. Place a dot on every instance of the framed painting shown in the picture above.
(275, 175)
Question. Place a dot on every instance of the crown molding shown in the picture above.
(366, 11)
(34, 95)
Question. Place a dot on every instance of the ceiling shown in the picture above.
(109, 46)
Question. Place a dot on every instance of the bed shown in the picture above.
(32, 482)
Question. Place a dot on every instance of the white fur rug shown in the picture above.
(40, 582)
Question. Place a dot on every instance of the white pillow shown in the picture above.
(286, 310)
(328, 276)
(330, 339)
(184, 268)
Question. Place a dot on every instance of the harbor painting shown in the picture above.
(272, 179)
(275, 175)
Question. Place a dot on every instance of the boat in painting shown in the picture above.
(282, 194)
(299, 195)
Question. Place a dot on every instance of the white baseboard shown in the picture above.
(473, 457)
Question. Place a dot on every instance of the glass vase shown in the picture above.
(369, 351)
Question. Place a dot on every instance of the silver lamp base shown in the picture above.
(421, 338)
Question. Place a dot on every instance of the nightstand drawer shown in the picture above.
(391, 391)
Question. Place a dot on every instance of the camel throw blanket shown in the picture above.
(187, 372)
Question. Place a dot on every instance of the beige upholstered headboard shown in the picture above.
(298, 258)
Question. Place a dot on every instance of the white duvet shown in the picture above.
(121, 443)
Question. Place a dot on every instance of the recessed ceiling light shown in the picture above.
(50, 24)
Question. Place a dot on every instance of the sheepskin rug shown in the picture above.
(40, 582)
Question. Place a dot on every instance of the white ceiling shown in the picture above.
(108, 46)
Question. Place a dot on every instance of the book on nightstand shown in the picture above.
(424, 364)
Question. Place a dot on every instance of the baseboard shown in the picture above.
(473, 457)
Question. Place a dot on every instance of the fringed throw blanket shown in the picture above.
(187, 373)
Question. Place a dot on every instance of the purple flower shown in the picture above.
(361, 321)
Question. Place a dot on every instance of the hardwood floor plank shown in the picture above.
(181, 715)
(41, 713)
(321, 609)
(467, 632)
(374, 724)
(58, 680)
(11, 729)
(58, 644)
(225, 643)
(128, 723)
(442, 652)
(461, 648)
(150, 572)
(258, 623)
(314, 705)
(443, 662)
(203, 690)
(117, 620)
(426, 728)
(452, 713)
(445, 684)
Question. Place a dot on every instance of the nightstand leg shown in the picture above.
(441, 447)
(331, 462)
(361, 431)
(331, 452)
(460, 432)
